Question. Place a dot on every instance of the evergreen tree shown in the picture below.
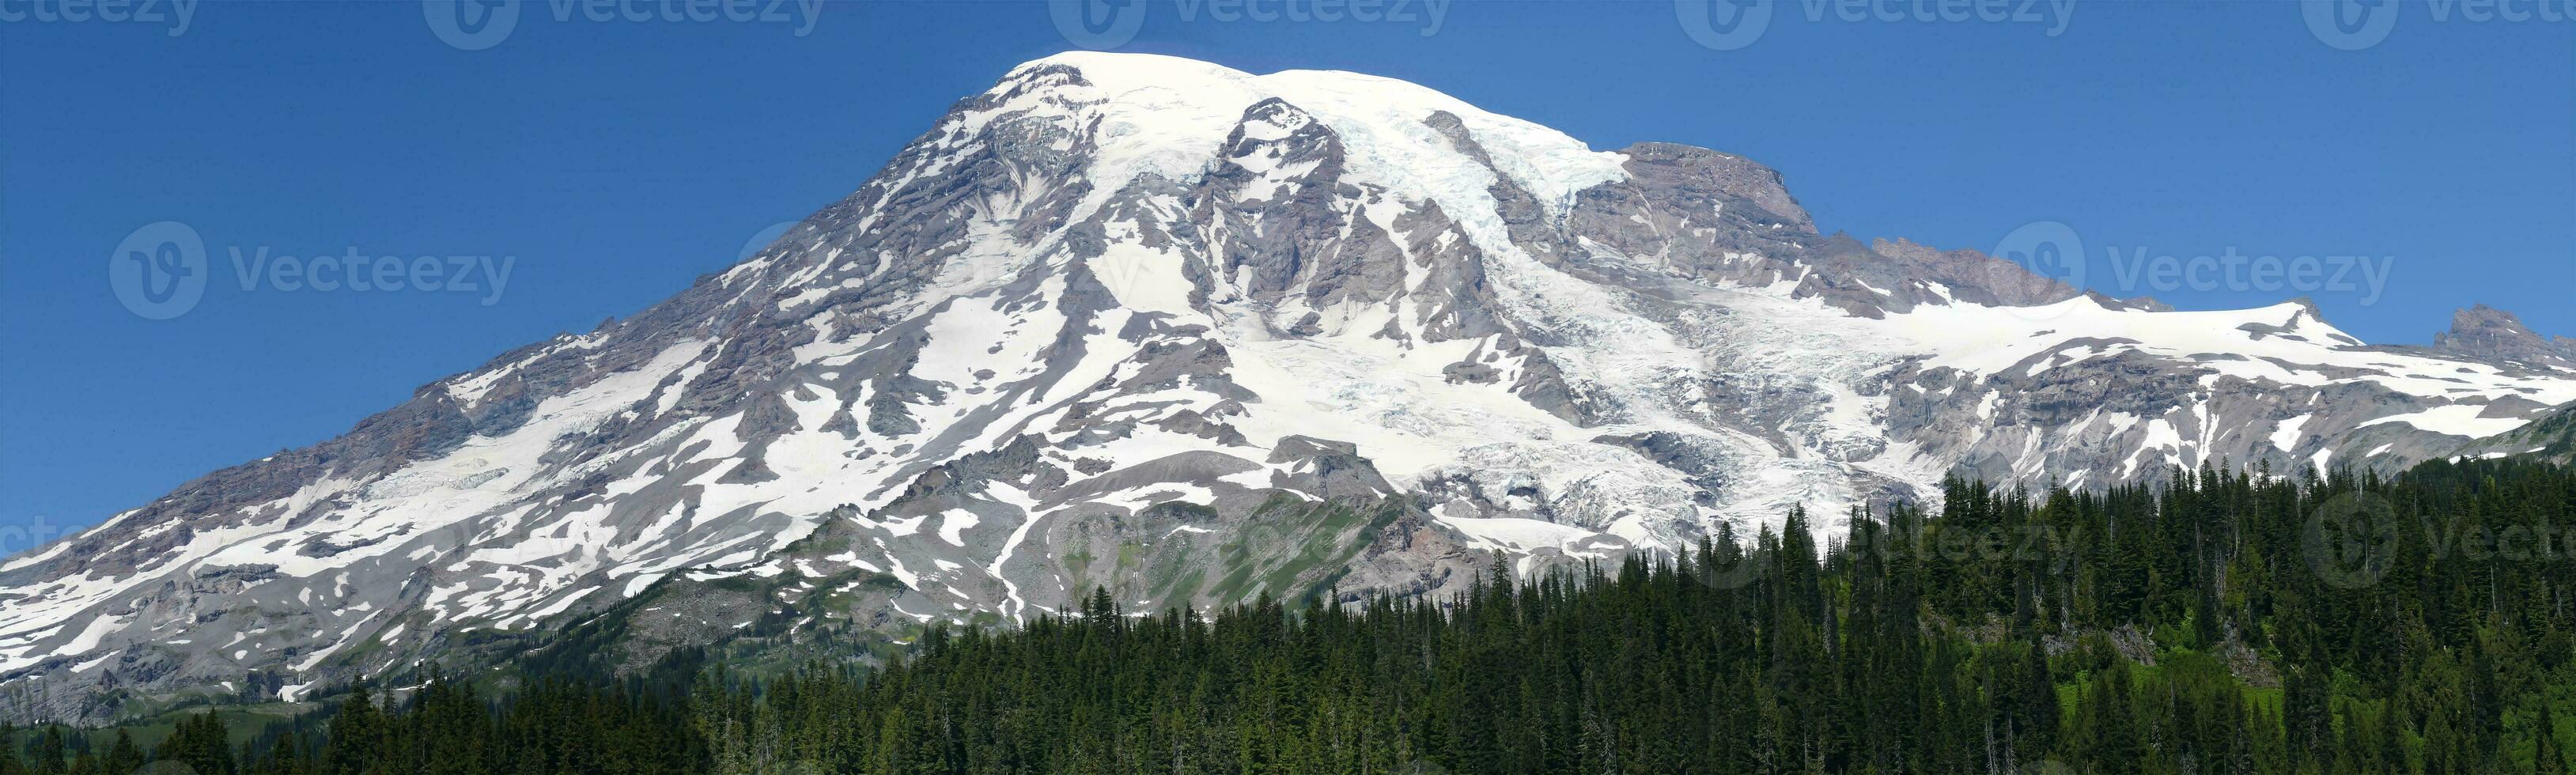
(2142, 636)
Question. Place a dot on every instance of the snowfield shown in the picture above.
(1195, 334)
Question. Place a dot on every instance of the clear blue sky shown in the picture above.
(617, 160)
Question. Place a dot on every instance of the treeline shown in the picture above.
(443, 728)
(2217, 622)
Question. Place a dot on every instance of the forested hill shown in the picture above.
(2214, 623)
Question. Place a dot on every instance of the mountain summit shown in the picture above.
(1193, 335)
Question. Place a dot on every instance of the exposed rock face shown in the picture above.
(1195, 336)
(2486, 332)
(2551, 438)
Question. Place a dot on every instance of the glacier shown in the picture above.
(1196, 335)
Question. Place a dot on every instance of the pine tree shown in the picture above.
(50, 749)
(122, 756)
(356, 739)
(2546, 759)
(1884, 653)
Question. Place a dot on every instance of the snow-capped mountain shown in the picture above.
(1198, 335)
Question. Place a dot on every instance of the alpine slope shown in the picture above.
(1197, 336)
